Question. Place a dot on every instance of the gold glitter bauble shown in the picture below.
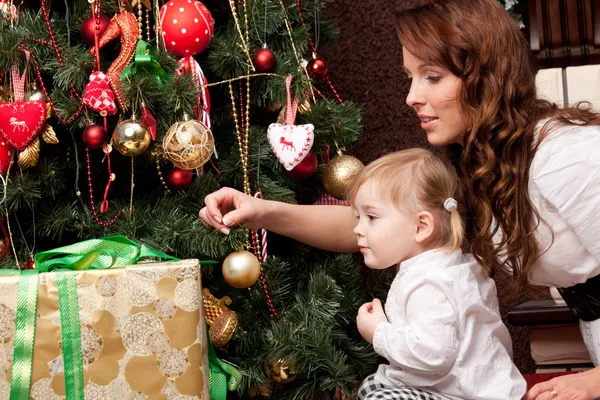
(339, 174)
(131, 138)
(223, 328)
(241, 269)
(281, 371)
(188, 144)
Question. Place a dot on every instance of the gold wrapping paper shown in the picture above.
(143, 334)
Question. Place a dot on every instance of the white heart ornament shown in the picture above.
(290, 143)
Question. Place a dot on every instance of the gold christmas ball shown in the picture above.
(281, 371)
(188, 144)
(241, 269)
(35, 94)
(3, 249)
(131, 138)
(339, 174)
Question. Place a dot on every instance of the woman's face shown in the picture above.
(434, 96)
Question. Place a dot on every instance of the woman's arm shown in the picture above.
(325, 227)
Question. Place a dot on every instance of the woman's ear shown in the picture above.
(425, 226)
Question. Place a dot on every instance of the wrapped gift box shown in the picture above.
(142, 330)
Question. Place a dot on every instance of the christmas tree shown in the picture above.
(107, 130)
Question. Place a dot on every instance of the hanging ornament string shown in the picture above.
(160, 40)
(96, 15)
(91, 190)
(244, 44)
(18, 80)
(313, 46)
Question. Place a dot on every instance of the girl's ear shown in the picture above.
(425, 226)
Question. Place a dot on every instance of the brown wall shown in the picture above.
(365, 65)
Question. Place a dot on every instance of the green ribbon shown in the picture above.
(222, 376)
(144, 62)
(24, 333)
(113, 251)
(108, 252)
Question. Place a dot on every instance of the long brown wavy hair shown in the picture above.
(478, 41)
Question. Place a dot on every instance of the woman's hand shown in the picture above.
(228, 207)
(580, 386)
(369, 315)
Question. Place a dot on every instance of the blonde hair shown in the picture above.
(415, 180)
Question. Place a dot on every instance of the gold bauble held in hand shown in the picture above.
(241, 269)
(339, 174)
(188, 144)
(131, 138)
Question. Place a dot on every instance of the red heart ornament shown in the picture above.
(98, 95)
(21, 121)
(290, 143)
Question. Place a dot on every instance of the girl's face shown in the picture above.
(385, 235)
(434, 96)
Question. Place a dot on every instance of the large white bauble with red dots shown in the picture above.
(187, 27)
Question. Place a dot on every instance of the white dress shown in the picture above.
(445, 334)
(564, 186)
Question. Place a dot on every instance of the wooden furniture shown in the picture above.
(564, 32)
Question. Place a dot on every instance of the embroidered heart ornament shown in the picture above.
(290, 143)
(98, 95)
(21, 121)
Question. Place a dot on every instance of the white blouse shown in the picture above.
(564, 186)
(444, 332)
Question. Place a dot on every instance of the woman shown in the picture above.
(533, 208)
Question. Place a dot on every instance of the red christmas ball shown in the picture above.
(179, 179)
(88, 27)
(94, 136)
(264, 60)
(317, 68)
(306, 168)
(187, 27)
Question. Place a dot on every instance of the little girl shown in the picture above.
(441, 329)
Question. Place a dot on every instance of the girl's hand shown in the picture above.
(369, 315)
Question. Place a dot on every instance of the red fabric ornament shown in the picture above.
(187, 27)
(179, 179)
(98, 95)
(317, 68)
(94, 136)
(21, 121)
(306, 168)
(88, 28)
(125, 26)
(148, 121)
(264, 60)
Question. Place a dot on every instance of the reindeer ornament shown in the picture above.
(20, 124)
(290, 143)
